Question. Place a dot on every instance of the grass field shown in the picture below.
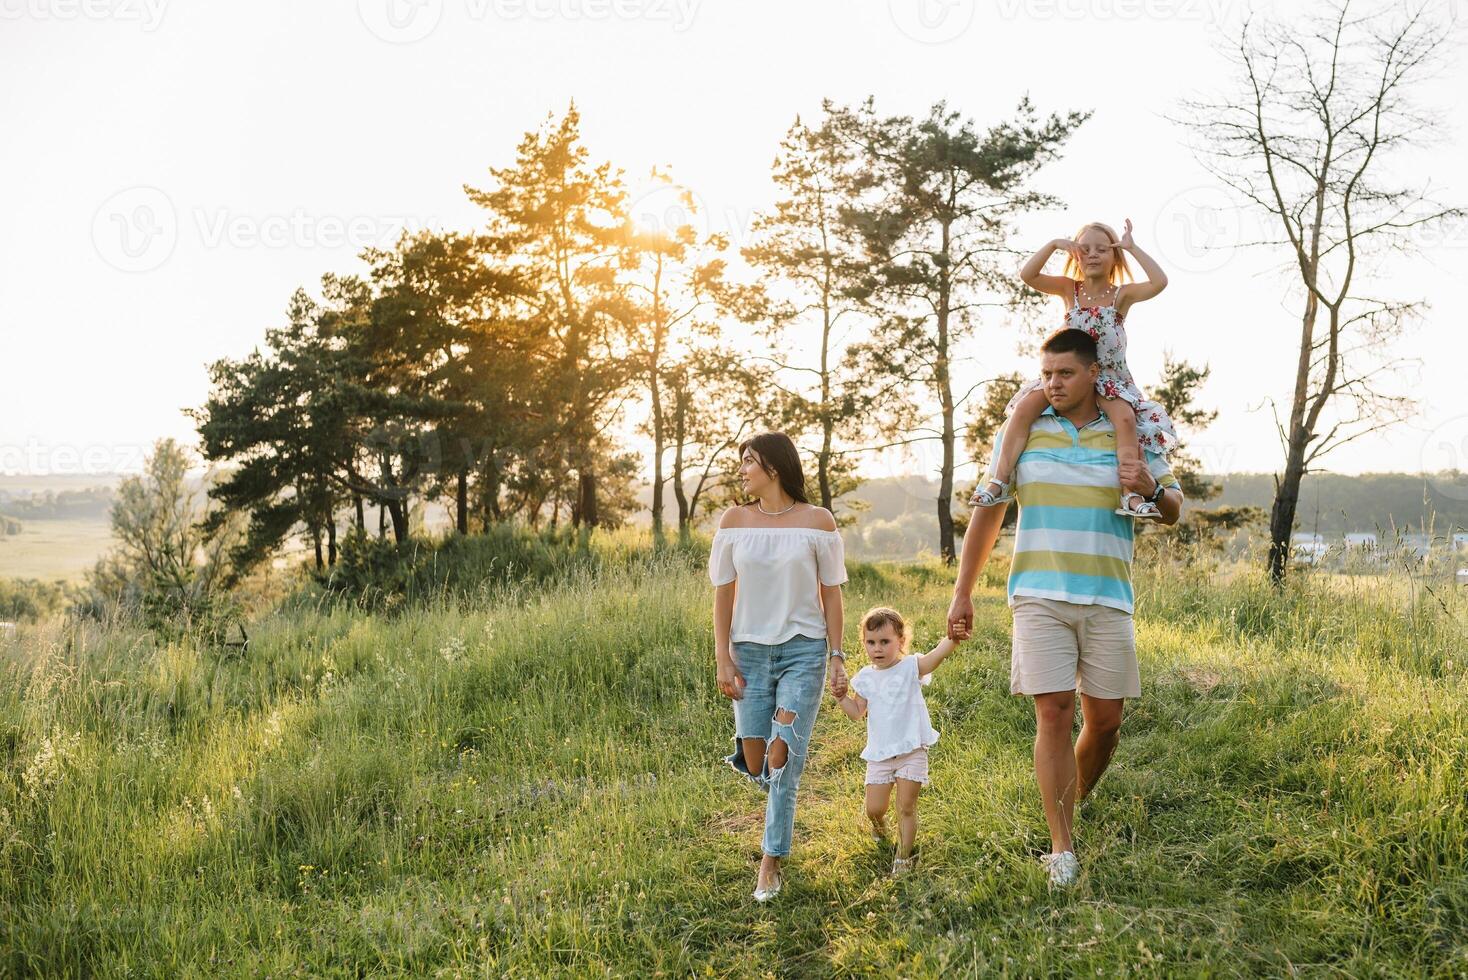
(530, 784)
(51, 550)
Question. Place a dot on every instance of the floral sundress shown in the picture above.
(1155, 430)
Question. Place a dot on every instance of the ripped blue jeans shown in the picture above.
(787, 675)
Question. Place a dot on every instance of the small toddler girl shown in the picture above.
(888, 692)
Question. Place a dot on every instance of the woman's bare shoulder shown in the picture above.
(733, 516)
(820, 518)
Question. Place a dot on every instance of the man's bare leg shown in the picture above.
(1100, 731)
(1055, 764)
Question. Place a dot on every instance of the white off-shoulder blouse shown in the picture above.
(780, 571)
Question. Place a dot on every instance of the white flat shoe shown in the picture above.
(1063, 868)
(765, 894)
(901, 866)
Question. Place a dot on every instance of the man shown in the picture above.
(1070, 587)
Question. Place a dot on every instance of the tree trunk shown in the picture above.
(657, 461)
(316, 545)
(945, 397)
(1287, 492)
(680, 408)
(331, 539)
(399, 516)
(463, 515)
(492, 511)
(823, 461)
(361, 515)
(655, 390)
(586, 501)
(381, 521)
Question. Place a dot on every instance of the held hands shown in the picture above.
(838, 678)
(731, 682)
(960, 618)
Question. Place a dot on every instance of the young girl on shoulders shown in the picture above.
(1097, 298)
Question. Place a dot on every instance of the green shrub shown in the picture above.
(28, 598)
(378, 573)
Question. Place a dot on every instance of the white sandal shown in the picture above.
(1146, 510)
(984, 498)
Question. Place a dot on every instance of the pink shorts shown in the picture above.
(910, 765)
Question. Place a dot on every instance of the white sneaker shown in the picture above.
(1063, 868)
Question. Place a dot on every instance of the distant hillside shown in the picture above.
(87, 503)
(63, 521)
(1335, 504)
(902, 521)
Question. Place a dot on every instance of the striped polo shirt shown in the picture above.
(1070, 544)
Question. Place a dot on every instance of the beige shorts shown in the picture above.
(1064, 646)
(909, 765)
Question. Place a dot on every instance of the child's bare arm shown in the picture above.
(1156, 280)
(1031, 275)
(929, 661)
(854, 705)
(1012, 439)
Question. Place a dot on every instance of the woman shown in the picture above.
(777, 565)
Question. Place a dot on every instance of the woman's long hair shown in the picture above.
(779, 458)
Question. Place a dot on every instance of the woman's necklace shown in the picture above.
(773, 513)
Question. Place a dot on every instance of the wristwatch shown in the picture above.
(1157, 493)
(837, 653)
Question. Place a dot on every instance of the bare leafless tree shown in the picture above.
(1313, 142)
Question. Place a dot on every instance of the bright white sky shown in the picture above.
(262, 145)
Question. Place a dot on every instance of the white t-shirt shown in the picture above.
(780, 571)
(897, 715)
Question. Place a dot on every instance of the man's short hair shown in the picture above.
(1068, 340)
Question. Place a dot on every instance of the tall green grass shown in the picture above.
(526, 780)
